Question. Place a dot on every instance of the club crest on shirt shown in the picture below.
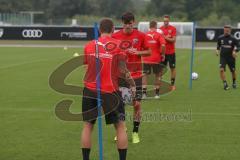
(230, 41)
(222, 42)
(169, 31)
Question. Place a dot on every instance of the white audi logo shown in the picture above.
(237, 35)
(32, 33)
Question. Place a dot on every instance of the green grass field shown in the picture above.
(29, 128)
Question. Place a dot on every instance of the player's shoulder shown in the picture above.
(162, 27)
(89, 44)
(149, 33)
(232, 37)
(172, 27)
(117, 33)
(114, 41)
(155, 33)
(139, 33)
(158, 32)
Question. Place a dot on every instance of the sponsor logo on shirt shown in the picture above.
(150, 35)
(226, 46)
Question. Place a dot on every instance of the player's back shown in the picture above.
(109, 57)
(153, 40)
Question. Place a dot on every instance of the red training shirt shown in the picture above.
(154, 41)
(110, 55)
(134, 62)
(171, 32)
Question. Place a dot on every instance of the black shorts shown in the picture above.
(138, 83)
(170, 59)
(230, 61)
(149, 67)
(112, 106)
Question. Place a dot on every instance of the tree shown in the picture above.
(162, 7)
(115, 8)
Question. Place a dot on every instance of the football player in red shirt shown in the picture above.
(156, 42)
(169, 33)
(112, 66)
(134, 63)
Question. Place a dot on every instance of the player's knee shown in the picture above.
(120, 125)
(222, 70)
(88, 126)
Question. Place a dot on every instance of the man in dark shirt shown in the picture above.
(227, 47)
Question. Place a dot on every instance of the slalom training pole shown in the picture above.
(99, 105)
(192, 56)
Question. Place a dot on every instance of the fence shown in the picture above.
(15, 19)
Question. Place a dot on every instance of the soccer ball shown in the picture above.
(194, 76)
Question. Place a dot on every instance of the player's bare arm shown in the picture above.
(127, 76)
(170, 39)
(234, 54)
(140, 53)
(163, 46)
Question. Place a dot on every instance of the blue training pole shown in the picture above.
(99, 105)
(192, 56)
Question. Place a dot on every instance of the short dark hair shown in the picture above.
(127, 17)
(106, 25)
(153, 24)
